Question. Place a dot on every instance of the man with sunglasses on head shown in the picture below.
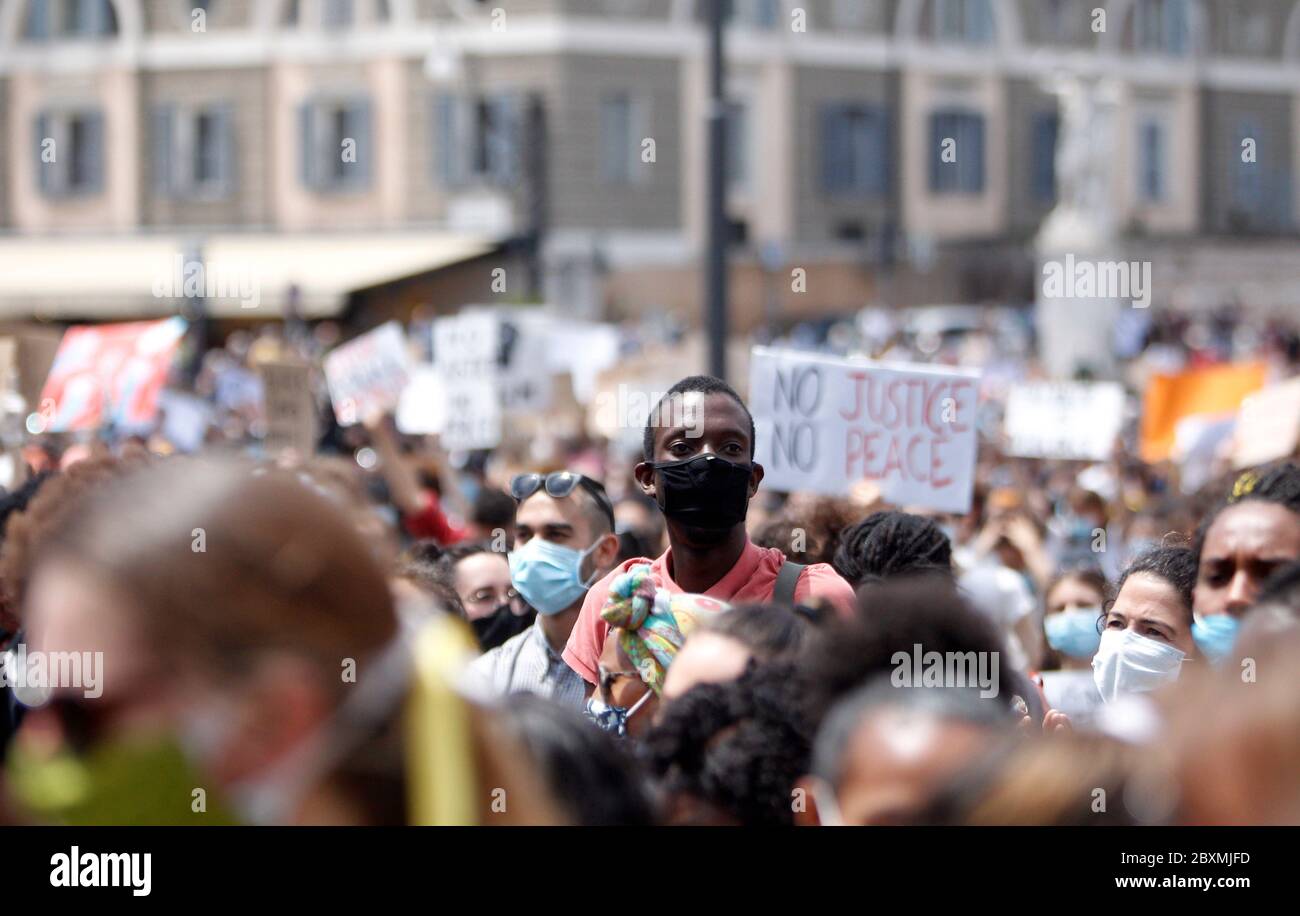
(564, 541)
(699, 468)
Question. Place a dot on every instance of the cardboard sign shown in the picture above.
(825, 424)
(110, 374)
(289, 408)
(1066, 420)
(366, 376)
(465, 351)
(1268, 426)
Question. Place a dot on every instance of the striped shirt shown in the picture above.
(527, 662)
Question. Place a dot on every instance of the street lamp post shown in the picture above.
(718, 237)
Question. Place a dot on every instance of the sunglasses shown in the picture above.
(559, 485)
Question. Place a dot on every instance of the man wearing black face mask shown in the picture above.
(699, 468)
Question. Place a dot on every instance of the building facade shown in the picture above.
(579, 126)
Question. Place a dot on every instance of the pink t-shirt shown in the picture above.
(751, 580)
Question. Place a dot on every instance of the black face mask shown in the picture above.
(705, 491)
(501, 625)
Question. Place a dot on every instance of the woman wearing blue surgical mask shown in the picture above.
(1072, 628)
(1147, 634)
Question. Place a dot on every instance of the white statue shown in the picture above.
(1083, 219)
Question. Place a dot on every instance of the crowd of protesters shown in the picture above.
(598, 639)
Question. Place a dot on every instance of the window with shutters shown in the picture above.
(739, 141)
(193, 151)
(1247, 175)
(336, 144)
(1043, 129)
(755, 14)
(51, 19)
(855, 149)
(1162, 26)
(477, 139)
(963, 21)
(956, 152)
(69, 153)
(1152, 165)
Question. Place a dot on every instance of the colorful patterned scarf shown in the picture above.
(653, 622)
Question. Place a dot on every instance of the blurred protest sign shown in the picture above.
(186, 419)
(422, 409)
(1064, 420)
(1170, 399)
(623, 395)
(1268, 426)
(582, 350)
(111, 374)
(289, 408)
(824, 424)
(465, 351)
(524, 375)
(366, 375)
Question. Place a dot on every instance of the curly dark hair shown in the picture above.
(893, 617)
(1279, 485)
(1174, 565)
(738, 747)
(888, 544)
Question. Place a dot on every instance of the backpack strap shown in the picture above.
(786, 580)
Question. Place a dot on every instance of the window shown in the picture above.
(1151, 161)
(963, 21)
(478, 139)
(336, 14)
(1063, 20)
(849, 14)
(964, 172)
(1247, 183)
(621, 122)
(1043, 129)
(336, 144)
(757, 14)
(69, 19)
(1162, 26)
(193, 151)
(855, 149)
(738, 145)
(70, 153)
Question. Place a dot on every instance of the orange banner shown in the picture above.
(1172, 398)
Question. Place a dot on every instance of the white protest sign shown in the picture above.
(1268, 425)
(1071, 420)
(367, 375)
(525, 376)
(465, 350)
(422, 409)
(824, 424)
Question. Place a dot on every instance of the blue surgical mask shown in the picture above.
(1074, 632)
(549, 576)
(613, 719)
(1215, 635)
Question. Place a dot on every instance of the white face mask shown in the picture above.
(1127, 662)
